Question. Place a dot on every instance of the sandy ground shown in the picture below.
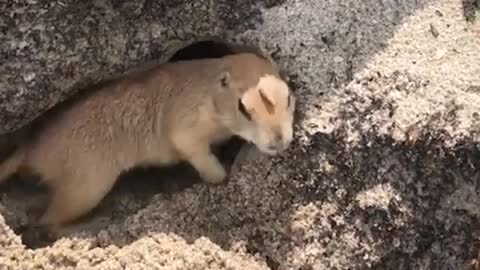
(384, 172)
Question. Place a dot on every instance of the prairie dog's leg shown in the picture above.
(201, 158)
(75, 198)
(208, 166)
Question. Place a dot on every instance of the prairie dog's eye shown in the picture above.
(288, 102)
(243, 110)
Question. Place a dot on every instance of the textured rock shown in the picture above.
(49, 48)
(383, 174)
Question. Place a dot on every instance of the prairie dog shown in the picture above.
(160, 116)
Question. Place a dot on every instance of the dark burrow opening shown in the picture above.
(147, 182)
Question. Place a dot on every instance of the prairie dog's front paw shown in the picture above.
(214, 174)
(209, 168)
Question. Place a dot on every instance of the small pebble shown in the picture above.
(440, 53)
(338, 59)
(434, 31)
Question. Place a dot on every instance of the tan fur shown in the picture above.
(159, 116)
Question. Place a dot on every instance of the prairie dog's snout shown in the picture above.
(278, 142)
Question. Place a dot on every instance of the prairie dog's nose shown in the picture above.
(277, 147)
(273, 148)
(278, 143)
(278, 138)
(286, 143)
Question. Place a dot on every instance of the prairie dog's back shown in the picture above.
(122, 121)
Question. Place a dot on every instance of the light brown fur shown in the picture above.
(160, 116)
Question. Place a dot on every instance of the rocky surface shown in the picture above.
(383, 174)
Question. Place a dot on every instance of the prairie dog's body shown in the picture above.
(160, 116)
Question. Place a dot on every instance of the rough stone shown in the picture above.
(384, 172)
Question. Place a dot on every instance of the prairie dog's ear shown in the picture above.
(225, 79)
(222, 93)
(267, 100)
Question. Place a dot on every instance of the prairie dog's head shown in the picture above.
(262, 106)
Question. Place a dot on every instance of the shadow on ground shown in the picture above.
(413, 229)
